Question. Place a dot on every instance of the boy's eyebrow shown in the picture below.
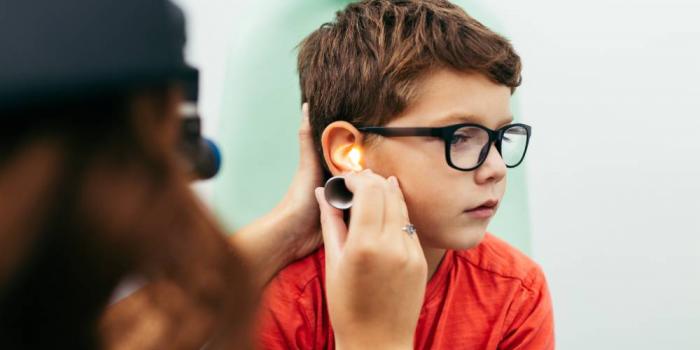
(467, 118)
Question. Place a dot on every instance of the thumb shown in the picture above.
(307, 157)
(333, 227)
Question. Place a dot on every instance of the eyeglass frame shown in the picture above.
(446, 133)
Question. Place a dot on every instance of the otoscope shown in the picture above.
(202, 156)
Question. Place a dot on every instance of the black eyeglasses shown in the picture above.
(468, 145)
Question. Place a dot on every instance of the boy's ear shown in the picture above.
(342, 148)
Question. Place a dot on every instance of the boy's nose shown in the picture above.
(493, 168)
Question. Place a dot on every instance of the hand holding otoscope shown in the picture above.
(378, 243)
(375, 246)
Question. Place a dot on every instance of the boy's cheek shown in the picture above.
(436, 207)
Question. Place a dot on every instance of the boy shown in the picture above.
(422, 90)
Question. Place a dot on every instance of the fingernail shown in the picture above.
(394, 181)
(318, 194)
(305, 110)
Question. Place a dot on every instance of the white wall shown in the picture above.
(611, 88)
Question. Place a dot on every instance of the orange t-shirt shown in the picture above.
(489, 297)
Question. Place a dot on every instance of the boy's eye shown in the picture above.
(458, 139)
(469, 137)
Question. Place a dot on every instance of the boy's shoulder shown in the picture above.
(495, 256)
(299, 275)
(293, 308)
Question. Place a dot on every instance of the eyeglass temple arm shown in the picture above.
(434, 132)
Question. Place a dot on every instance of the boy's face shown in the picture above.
(440, 198)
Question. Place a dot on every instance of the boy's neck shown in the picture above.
(433, 257)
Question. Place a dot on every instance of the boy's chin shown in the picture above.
(462, 240)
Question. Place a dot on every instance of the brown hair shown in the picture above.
(362, 67)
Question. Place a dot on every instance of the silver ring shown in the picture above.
(409, 228)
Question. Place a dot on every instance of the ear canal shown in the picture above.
(355, 157)
(349, 157)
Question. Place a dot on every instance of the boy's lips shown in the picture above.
(484, 210)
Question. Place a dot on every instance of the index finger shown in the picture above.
(367, 213)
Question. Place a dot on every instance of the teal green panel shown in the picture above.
(260, 113)
(260, 117)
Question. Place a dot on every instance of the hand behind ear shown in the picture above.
(292, 229)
